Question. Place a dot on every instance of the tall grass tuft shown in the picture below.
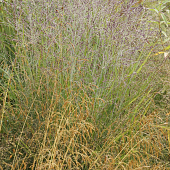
(78, 86)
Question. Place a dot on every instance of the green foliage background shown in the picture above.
(77, 91)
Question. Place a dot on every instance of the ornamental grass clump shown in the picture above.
(78, 86)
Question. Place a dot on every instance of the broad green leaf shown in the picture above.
(164, 2)
(167, 48)
(164, 18)
(155, 10)
(164, 33)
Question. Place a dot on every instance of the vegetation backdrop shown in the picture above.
(84, 84)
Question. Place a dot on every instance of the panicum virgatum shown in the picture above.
(73, 74)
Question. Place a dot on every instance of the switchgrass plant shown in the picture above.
(77, 93)
(7, 51)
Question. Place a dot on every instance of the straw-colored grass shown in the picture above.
(84, 85)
